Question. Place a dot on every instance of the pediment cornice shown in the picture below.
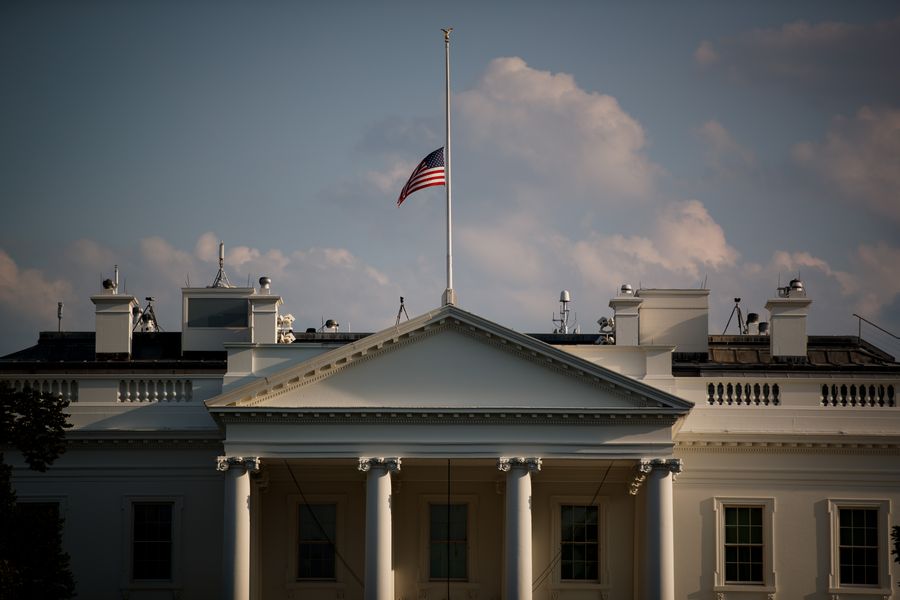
(449, 318)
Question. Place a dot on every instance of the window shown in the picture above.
(744, 544)
(447, 547)
(579, 542)
(858, 546)
(448, 535)
(217, 312)
(859, 536)
(579, 538)
(316, 537)
(151, 542)
(151, 538)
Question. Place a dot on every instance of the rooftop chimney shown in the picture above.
(627, 309)
(787, 322)
(674, 317)
(114, 321)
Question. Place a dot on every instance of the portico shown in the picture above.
(440, 442)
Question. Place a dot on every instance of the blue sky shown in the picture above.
(656, 143)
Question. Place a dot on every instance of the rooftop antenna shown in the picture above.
(402, 311)
(145, 320)
(740, 318)
(221, 280)
(59, 314)
(116, 279)
(563, 320)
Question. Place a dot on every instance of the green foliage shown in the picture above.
(34, 424)
(32, 562)
(895, 537)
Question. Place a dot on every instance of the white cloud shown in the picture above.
(30, 293)
(827, 60)
(879, 287)
(207, 247)
(684, 243)
(705, 54)
(557, 129)
(522, 263)
(861, 155)
(392, 178)
(91, 254)
(174, 265)
(724, 154)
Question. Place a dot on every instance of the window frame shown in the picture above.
(432, 541)
(883, 587)
(558, 584)
(292, 580)
(174, 582)
(425, 502)
(768, 526)
(190, 320)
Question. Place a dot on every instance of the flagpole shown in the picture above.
(449, 295)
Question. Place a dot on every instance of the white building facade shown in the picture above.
(449, 456)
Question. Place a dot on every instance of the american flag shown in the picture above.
(429, 172)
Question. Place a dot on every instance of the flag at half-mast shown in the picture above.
(429, 172)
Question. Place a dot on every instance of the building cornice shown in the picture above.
(625, 417)
(784, 447)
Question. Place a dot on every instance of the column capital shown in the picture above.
(249, 463)
(647, 465)
(391, 464)
(532, 463)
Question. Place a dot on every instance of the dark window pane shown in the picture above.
(217, 312)
(858, 546)
(448, 532)
(580, 545)
(744, 544)
(151, 540)
(317, 531)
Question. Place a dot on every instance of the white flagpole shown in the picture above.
(449, 295)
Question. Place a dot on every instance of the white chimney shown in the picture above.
(264, 318)
(673, 317)
(627, 308)
(115, 321)
(787, 321)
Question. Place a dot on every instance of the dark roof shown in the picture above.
(751, 352)
(74, 350)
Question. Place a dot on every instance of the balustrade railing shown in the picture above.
(858, 394)
(155, 390)
(63, 388)
(743, 394)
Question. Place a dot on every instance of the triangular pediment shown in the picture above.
(449, 359)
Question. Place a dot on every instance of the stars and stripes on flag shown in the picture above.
(429, 172)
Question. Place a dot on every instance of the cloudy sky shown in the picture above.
(664, 144)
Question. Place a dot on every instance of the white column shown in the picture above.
(236, 529)
(379, 582)
(518, 525)
(660, 550)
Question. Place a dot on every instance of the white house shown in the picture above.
(451, 455)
